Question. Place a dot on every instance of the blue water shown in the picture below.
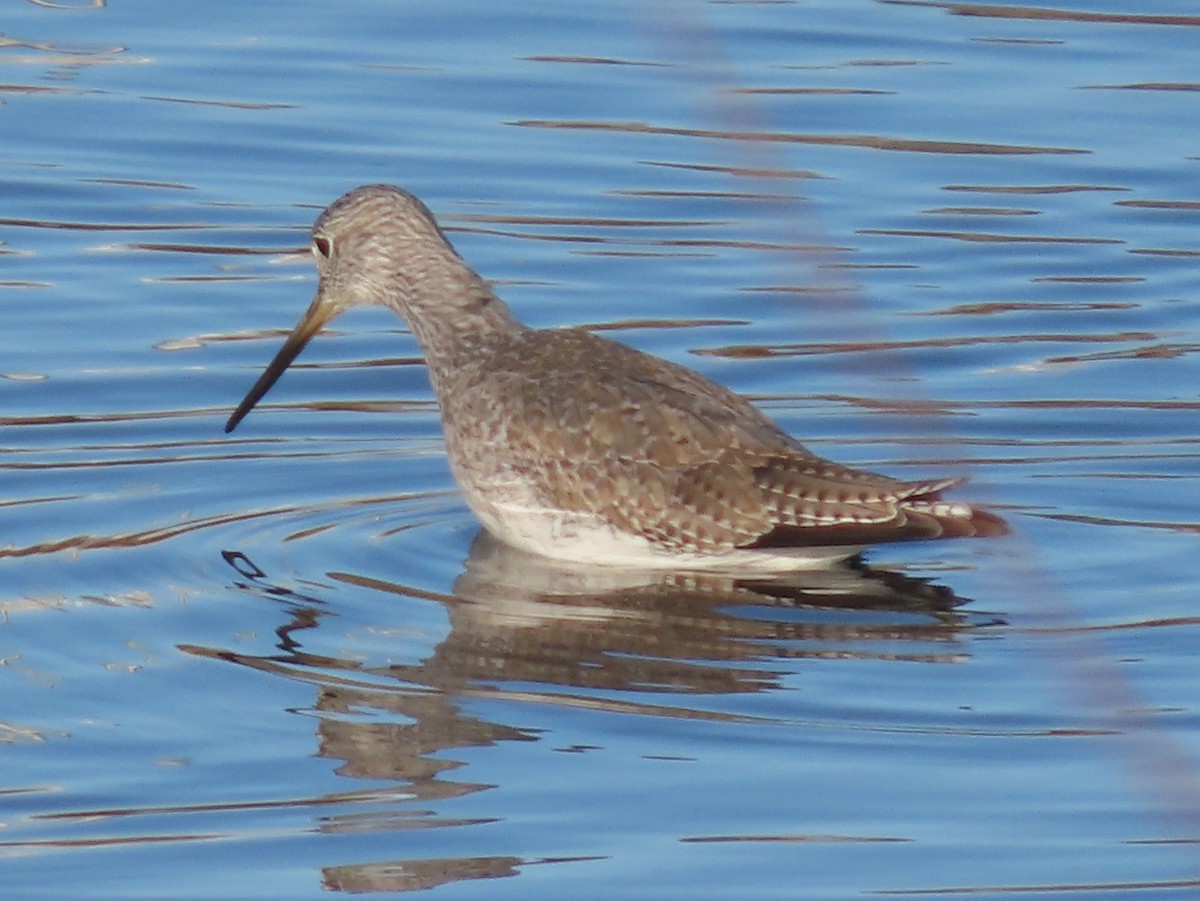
(926, 238)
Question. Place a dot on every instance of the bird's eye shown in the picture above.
(322, 247)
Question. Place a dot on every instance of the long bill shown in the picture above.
(314, 318)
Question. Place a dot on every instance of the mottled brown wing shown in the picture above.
(661, 451)
(587, 397)
(852, 507)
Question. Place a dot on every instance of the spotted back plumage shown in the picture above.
(664, 453)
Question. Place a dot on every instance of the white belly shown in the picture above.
(583, 538)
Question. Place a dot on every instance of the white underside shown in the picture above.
(580, 538)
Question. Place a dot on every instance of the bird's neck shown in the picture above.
(452, 326)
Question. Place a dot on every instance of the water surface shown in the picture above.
(926, 237)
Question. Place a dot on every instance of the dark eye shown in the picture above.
(322, 247)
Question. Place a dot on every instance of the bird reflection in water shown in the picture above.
(573, 636)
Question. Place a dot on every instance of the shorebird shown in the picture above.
(573, 446)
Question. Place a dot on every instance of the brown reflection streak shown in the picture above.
(53, 499)
(837, 92)
(1146, 352)
(1144, 86)
(874, 142)
(223, 250)
(983, 236)
(1035, 42)
(592, 60)
(946, 407)
(188, 279)
(1189, 205)
(754, 245)
(415, 875)
(1080, 404)
(412, 875)
(130, 539)
(123, 840)
(226, 104)
(140, 183)
(584, 221)
(626, 324)
(1170, 623)
(813, 290)
(106, 226)
(579, 239)
(39, 89)
(1030, 189)
(367, 406)
(883, 63)
(705, 195)
(665, 242)
(790, 350)
(644, 254)
(1018, 306)
(870, 266)
(736, 171)
(75, 418)
(1088, 279)
(1184, 527)
(789, 839)
(303, 668)
(338, 799)
(611, 705)
(87, 542)
(981, 211)
(1166, 252)
(1044, 889)
(1038, 13)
